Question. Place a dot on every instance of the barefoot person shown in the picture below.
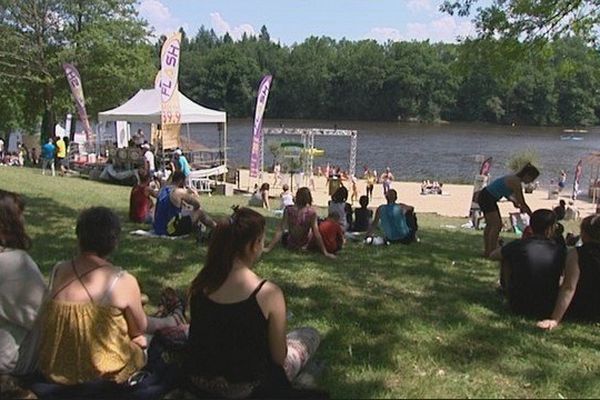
(509, 186)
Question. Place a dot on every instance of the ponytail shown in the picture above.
(228, 242)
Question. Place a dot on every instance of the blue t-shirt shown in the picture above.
(184, 165)
(165, 211)
(393, 222)
(48, 151)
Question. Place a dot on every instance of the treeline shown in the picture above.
(550, 83)
(502, 81)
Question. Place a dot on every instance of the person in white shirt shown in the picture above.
(22, 290)
(287, 199)
(149, 165)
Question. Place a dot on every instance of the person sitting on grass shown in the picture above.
(299, 225)
(397, 220)
(94, 308)
(531, 268)
(22, 290)
(287, 199)
(331, 233)
(579, 294)
(141, 207)
(339, 205)
(362, 216)
(237, 344)
(93, 323)
(260, 198)
(170, 218)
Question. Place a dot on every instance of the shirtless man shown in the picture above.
(172, 217)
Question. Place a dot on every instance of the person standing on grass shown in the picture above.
(299, 223)
(238, 321)
(48, 151)
(579, 294)
(61, 155)
(149, 164)
(510, 187)
(531, 268)
(181, 163)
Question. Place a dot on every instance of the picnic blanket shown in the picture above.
(150, 233)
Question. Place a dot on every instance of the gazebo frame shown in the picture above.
(308, 140)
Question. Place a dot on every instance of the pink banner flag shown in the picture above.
(74, 80)
(169, 80)
(261, 103)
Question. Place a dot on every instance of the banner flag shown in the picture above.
(577, 178)
(74, 80)
(169, 74)
(261, 103)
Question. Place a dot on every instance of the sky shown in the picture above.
(292, 21)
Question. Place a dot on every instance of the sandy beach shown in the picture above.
(454, 202)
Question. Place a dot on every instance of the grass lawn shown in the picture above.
(400, 321)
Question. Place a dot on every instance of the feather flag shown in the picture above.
(261, 103)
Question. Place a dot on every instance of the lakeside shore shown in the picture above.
(454, 202)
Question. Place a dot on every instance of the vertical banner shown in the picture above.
(576, 179)
(77, 90)
(261, 103)
(169, 90)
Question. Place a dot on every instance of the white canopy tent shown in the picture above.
(145, 107)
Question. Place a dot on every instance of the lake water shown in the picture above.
(444, 152)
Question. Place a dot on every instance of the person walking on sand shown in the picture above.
(386, 180)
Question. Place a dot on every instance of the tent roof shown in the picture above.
(144, 107)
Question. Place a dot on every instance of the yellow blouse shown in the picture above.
(82, 342)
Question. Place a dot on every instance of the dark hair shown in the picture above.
(303, 197)
(228, 241)
(541, 220)
(264, 186)
(528, 170)
(12, 230)
(144, 176)
(98, 230)
(591, 226)
(178, 177)
(363, 201)
(334, 215)
(340, 195)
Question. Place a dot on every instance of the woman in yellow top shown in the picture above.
(93, 324)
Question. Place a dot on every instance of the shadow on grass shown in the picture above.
(392, 317)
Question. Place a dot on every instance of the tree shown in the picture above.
(104, 38)
(264, 34)
(531, 20)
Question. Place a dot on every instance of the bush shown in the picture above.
(519, 160)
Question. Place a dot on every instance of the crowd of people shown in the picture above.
(86, 333)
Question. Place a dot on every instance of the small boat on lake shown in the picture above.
(570, 137)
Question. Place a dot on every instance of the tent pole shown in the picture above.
(188, 135)
(225, 148)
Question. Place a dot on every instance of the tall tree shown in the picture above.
(531, 19)
(104, 38)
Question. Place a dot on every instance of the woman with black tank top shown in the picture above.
(237, 339)
(579, 295)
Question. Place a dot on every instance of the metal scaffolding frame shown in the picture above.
(308, 140)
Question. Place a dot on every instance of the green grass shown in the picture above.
(400, 321)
